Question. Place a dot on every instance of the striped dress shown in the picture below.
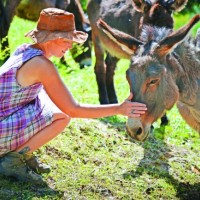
(23, 110)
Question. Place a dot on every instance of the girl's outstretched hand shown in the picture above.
(132, 109)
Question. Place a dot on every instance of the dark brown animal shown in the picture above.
(128, 16)
(164, 70)
(30, 9)
(6, 15)
(81, 54)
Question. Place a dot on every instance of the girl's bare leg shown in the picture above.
(60, 121)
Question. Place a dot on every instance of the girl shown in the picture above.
(35, 105)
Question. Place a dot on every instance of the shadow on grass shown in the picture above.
(156, 164)
(11, 189)
(115, 121)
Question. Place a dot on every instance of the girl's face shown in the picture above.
(58, 47)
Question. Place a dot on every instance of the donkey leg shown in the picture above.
(188, 117)
(100, 70)
(164, 120)
(110, 72)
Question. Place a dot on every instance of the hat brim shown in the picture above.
(42, 36)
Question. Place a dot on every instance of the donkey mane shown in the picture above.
(185, 60)
(154, 33)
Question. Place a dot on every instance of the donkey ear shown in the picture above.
(176, 5)
(139, 5)
(170, 42)
(128, 43)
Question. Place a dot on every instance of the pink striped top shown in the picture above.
(20, 107)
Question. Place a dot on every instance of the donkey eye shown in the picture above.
(154, 81)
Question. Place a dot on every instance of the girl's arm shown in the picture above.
(40, 69)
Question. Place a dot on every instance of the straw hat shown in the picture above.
(55, 23)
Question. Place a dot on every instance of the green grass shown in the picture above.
(95, 159)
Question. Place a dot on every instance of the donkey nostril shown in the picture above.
(139, 131)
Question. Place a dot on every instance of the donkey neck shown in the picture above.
(185, 62)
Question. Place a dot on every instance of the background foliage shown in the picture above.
(192, 5)
(84, 4)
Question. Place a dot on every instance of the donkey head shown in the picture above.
(150, 76)
(158, 12)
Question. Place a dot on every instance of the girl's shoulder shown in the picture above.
(21, 55)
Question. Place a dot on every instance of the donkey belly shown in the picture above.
(190, 115)
(121, 15)
(118, 14)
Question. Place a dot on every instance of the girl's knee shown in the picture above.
(66, 119)
(62, 117)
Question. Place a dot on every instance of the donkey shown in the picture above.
(128, 16)
(164, 70)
